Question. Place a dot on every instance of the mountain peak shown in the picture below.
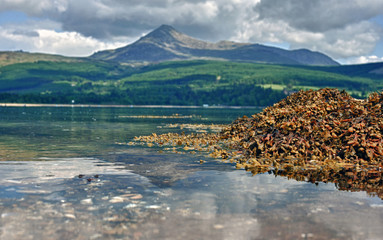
(166, 43)
(165, 27)
(168, 37)
(162, 34)
(162, 30)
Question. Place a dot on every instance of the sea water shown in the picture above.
(69, 173)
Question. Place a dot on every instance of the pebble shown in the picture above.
(87, 201)
(136, 197)
(117, 200)
(131, 205)
(218, 226)
(153, 207)
(70, 216)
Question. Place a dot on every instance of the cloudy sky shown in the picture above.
(350, 31)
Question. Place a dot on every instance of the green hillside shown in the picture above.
(8, 58)
(178, 83)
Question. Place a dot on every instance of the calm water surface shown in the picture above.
(64, 174)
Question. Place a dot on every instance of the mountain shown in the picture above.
(8, 58)
(166, 43)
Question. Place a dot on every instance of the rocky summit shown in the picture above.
(166, 43)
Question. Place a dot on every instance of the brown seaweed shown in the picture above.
(324, 132)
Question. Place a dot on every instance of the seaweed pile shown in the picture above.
(308, 128)
(326, 132)
(319, 127)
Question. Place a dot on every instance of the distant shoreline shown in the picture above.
(116, 106)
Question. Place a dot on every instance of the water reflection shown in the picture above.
(203, 203)
(64, 177)
(346, 179)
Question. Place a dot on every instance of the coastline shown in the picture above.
(119, 106)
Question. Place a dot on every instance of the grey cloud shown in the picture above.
(116, 18)
(33, 7)
(108, 19)
(105, 19)
(318, 15)
(26, 33)
(336, 27)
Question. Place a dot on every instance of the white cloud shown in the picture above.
(70, 43)
(353, 40)
(364, 59)
(50, 41)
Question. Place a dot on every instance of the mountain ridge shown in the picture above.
(166, 44)
(14, 57)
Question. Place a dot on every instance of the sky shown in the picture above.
(349, 31)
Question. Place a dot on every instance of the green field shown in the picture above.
(177, 82)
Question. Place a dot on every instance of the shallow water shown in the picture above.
(66, 175)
